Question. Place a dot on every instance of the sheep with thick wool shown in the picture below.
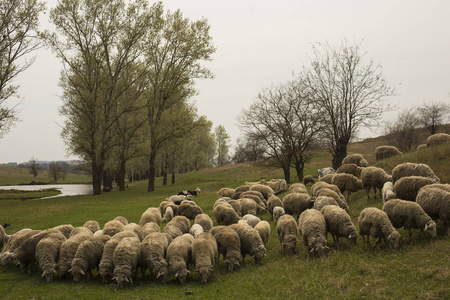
(323, 201)
(339, 224)
(322, 185)
(278, 211)
(376, 223)
(287, 233)
(181, 222)
(68, 250)
(356, 159)
(263, 228)
(189, 211)
(312, 228)
(265, 190)
(407, 188)
(205, 221)
(251, 219)
(65, 229)
(14, 242)
(251, 242)
(338, 198)
(153, 253)
(325, 171)
(435, 201)
(136, 228)
(151, 227)
(164, 205)
(236, 204)
(204, 249)
(121, 219)
(196, 229)
(298, 188)
(126, 257)
(151, 214)
(248, 206)
(47, 252)
(347, 184)
(409, 215)
(255, 195)
(226, 192)
(438, 139)
(92, 225)
(168, 215)
(172, 232)
(229, 245)
(225, 214)
(179, 253)
(308, 179)
(327, 178)
(387, 192)
(80, 230)
(296, 203)
(374, 178)
(274, 185)
(272, 202)
(3, 237)
(413, 169)
(353, 169)
(383, 152)
(112, 227)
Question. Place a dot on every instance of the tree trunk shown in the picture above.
(97, 176)
(151, 173)
(122, 175)
(287, 174)
(340, 152)
(173, 168)
(299, 167)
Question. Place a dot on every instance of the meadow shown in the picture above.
(419, 269)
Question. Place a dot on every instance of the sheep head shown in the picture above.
(395, 238)
(181, 275)
(430, 227)
(290, 241)
(205, 272)
(76, 273)
(48, 274)
(231, 262)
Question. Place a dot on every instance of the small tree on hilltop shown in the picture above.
(403, 132)
(433, 115)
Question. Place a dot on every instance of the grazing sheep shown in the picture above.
(278, 211)
(327, 178)
(287, 233)
(255, 195)
(126, 257)
(168, 215)
(165, 204)
(251, 219)
(177, 199)
(356, 159)
(374, 178)
(47, 251)
(323, 201)
(353, 169)
(248, 206)
(409, 215)
(296, 203)
(68, 250)
(179, 255)
(347, 183)
(88, 256)
(272, 202)
(313, 228)
(112, 227)
(330, 193)
(445, 187)
(225, 214)
(188, 202)
(226, 192)
(274, 185)
(421, 146)
(242, 188)
(387, 192)
(15, 241)
(106, 265)
(435, 201)
(325, 171)
(204, 249)
(3, 237)
(121, 219)
(152, 214)
(229, 245)
(137, 229)
(265, 190)
(308, 179)
(321, 185)
(205, 221)
(406, 188)
(413, 169)
(80, 230)
(181, 222)
(438, 139)
(251, 242)
(92, 225)
(236, 204)
(339, 224)
(263, 229)
(150, 227)
(383, 152)
(189, 211)
(298, 188)
(153, 252)
(196, 229)
(375, 222)
(66, 230)
(172, 232)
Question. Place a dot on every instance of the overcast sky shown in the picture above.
(260, 43)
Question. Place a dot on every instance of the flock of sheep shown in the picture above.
(413, 198)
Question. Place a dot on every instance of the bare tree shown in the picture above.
(56, 171)
(350, 91)
(433, 115)
(34, 166)
(18, 37)
(403, 132)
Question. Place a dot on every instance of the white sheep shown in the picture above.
(374, 178)
(339, 224)
(413, 169)
(225, 214)
(313, 229)
(323, 201)
(287, 232)
(272, 202)
(347, 183)
(47, 251)
(152, 214)
(226, 192)
(353, 169)
(126, 257)
(204, 249)
(408, 187)
(338, 198)
(68, 250)
(92, 225)
(150, 227)
(168, 215)
(263, 229)
(205, 221)
(383, 152)
(375, 222)
(278, 211)
(179, 255)
(387, 192)
(296, 203)
(112, 227)
(265, 190)
(357, 159)
(196, 229)
(435, 201)
(251, 242)
(325, 171)
(229, 245)
(153, 251)
(251, 219)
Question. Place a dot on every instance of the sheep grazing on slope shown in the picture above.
(153, 252)
(251, 219)
(327, 178)
(387, 192)
(287, 233)
(204, 249)
(66, 229)
(321, 185)
(356, 159)
(15, 241)
(189, 211)
(375, 222)
(435, 201)
(164, 205)
(383, 152)
(330, 193)
(229, 245)
(374, 178)
(168, 215)
(88, 257)
(225, 214)
(112, 227)
(68, 250)
(242, 188)
(121, 219)
(152, 214)
(421, 146)
(251, 242)
(47, 251)
(347, 183)
(272, 202)
(409, 215)
(263, 229)
(236, 204)
(413, 169)
(172, 232)
(278, 211)
(181, 222)
(313, 228)
(353, 169)
(339, 224)
(255, 195)
(323, 201)
(406, 188)
(249, 206)
(265, 190)
(205, 221)
(298, 188)
(126, 257)
(196, 229)
(92, 225)
(438, 139)
(308, 179)
(226, 192)
(274, 185)
(179, 255)
(325, 171)
(296, 203)
(151, 227)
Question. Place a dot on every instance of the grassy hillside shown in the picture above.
(420, 269)
(15, 176)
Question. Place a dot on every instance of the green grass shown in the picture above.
(420, 269)
(27, 195)
(16, 176)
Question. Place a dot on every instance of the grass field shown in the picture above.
(418, 270)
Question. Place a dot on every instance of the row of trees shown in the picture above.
(321, 107)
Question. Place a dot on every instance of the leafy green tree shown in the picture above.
(34, 166)
(222, 139)
(56, 171)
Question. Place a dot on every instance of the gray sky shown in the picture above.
(260, 43)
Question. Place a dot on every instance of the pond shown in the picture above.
(66, 189)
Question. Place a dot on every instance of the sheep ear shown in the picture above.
(426, 227)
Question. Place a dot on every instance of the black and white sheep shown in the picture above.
(126, 257)
(339, 224)
(406, 188)
(153, 253)
(374, 178)
(376, 223)
(312, 228)
(204, 249)
(296, 203)
(347, 184)
(413, 169)
(287, 233)
(229, 245)
(435, 201)
(356, 159)
(383, 152)
(409, 215)
(179, 255)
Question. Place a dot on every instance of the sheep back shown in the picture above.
(204, 248)
(287, 232)
(407, 188)
(296, 203)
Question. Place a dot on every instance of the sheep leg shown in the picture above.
(410, 234)
(367, 194)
